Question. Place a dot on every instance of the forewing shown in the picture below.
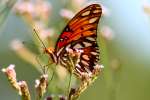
(83, 24)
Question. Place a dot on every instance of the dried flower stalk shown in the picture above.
(86, 81)
(21, 86)
(41, 86)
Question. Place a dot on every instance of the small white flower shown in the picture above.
(98, 66)
(10, 71)
(101, 66)
(37, 82)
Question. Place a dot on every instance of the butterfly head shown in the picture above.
(50, 51)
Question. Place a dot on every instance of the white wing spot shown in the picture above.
(68, 46)
(90, 38)
(78, 70)
(86, 13)
(92, 20)
(97, 57)
(94, 53)
(65, 55)
(85, 57)
(84, 63)
(64, 58)
(61, 39)
(96, 11)
(96, 60)
(78, 46)
(87, 44)
(78, 65)
(67, 29)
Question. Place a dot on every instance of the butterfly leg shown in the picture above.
(52, 77)
(45, 67)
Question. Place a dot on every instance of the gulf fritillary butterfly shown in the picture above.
(79, 35)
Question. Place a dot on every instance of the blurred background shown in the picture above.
(123, 37)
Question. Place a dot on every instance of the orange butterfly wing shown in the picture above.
(81, 33)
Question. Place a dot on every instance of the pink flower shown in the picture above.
(43, 9)
(11, 75)
(107, 33)
(10, 71)
(25, 7)
(66, 13)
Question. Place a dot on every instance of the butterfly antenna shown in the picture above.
(39, 38)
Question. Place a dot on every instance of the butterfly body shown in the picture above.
(79, 36)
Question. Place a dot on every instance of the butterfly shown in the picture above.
(80, 36)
